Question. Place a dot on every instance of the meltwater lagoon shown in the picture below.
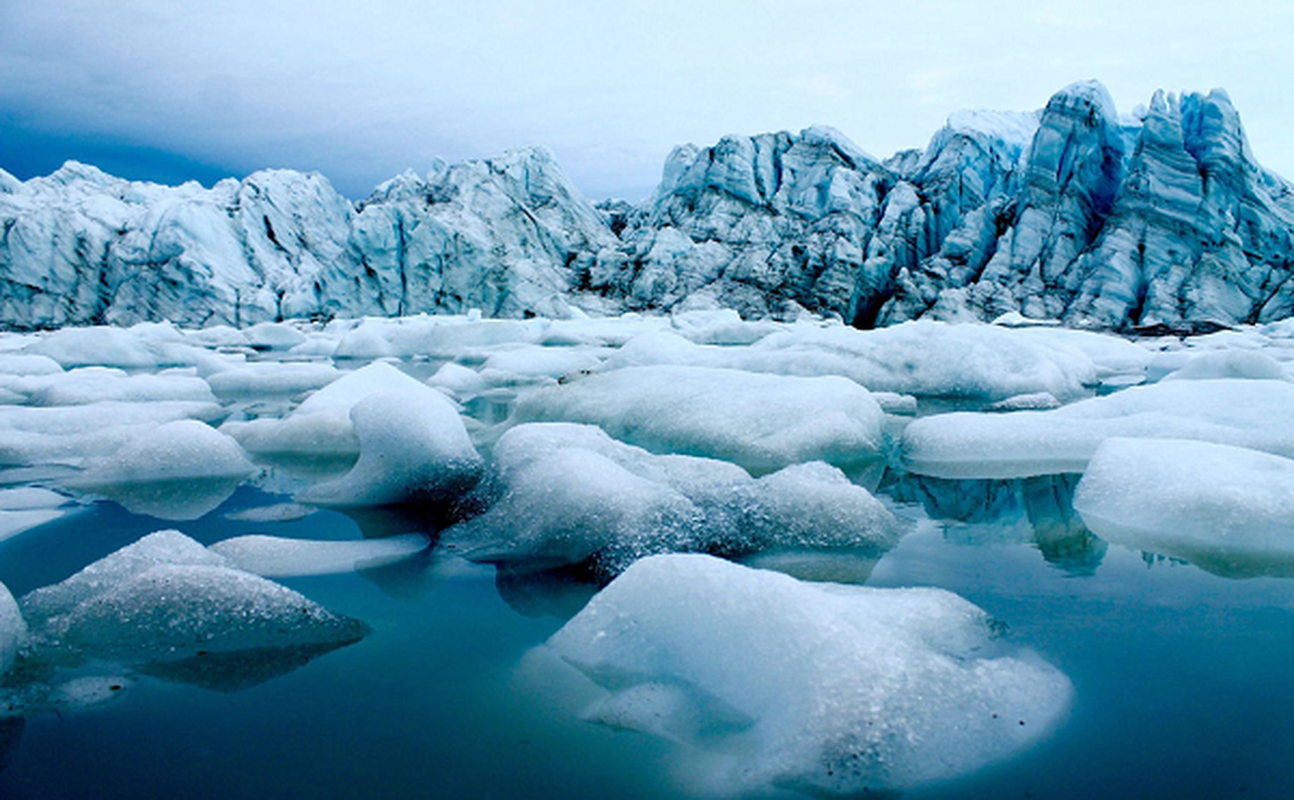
(645, 557)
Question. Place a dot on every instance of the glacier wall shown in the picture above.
(1074, 212)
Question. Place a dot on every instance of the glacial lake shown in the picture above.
(1180, 671)
(1183, 684)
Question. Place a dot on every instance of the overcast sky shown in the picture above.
(172, 89)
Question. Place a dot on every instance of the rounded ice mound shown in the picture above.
(758, 421)
(270, 378)
(104, 346)
(168, 598)
(904, 686)
(161, 547)
(12, 629)
(1241, 364)
(1255, 414)
(1226, 509)
(414, 448)
(175, 450)
(175, 611)
(570, 493)
(321, 425)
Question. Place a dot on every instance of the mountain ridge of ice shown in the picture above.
(1162, 217)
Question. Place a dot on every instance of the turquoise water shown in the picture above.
(1184, 679)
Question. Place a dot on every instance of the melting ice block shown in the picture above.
(167, 598)
(413, 448)
(1225, 508)
(922, 358)
(1255, 414)
(570, 492)
(825, 688)
(12, 629)
(321, 425)
(758, 421)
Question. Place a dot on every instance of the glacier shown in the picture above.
(1158, 219)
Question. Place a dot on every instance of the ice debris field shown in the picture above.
(573, 529)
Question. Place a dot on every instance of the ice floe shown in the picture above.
(828, 689)
(279, 557)
(569, 493)
(1258, 414)
(761, 422)
(1228, 509)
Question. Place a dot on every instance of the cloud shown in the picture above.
(363, 91)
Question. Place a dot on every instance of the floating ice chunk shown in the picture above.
(171, 612)
(365, 341)
(1225, 508)
(275, 556)
(177, 471)
(570, 493)
(321, 424)
(12, 629)
(722, 326)
(73, 433)
(463, 381)
(273, 336)
(167, 598)
(533, 361)
(217, 336)
(162, 547)
(86, 385)
(920, 358)
(279, 512)
(413, 448)
(19, 364)
(1243, 364)
(99, 346)
(270, 378)
(1040, 401)
(904, 686)
(761, 422)
(1246, 413)
(25, 508)
(175, 450)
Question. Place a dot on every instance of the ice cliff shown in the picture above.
(1157, 218)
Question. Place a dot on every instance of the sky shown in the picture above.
(170, 90)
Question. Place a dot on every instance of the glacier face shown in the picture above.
(1074, 212)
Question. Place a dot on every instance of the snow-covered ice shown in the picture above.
(568, 493)
(414, 448)
(1225, 508)
(1258, 414)
(824, 688)
(758, 421)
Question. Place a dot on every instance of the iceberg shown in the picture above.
(904, 687)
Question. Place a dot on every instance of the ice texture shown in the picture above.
(12, 630)
(824, 688)
(758, 421)
(24, 508)
(569, 494)
(414, 448)
(168, 598)
(175, 450)
(1257, 414)
(277, 557)
(1226, 508)
(919, 358)
(321, 425)
(1159, 221)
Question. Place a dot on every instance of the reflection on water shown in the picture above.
(241, 669)
(1045, 503)
(175, 500)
